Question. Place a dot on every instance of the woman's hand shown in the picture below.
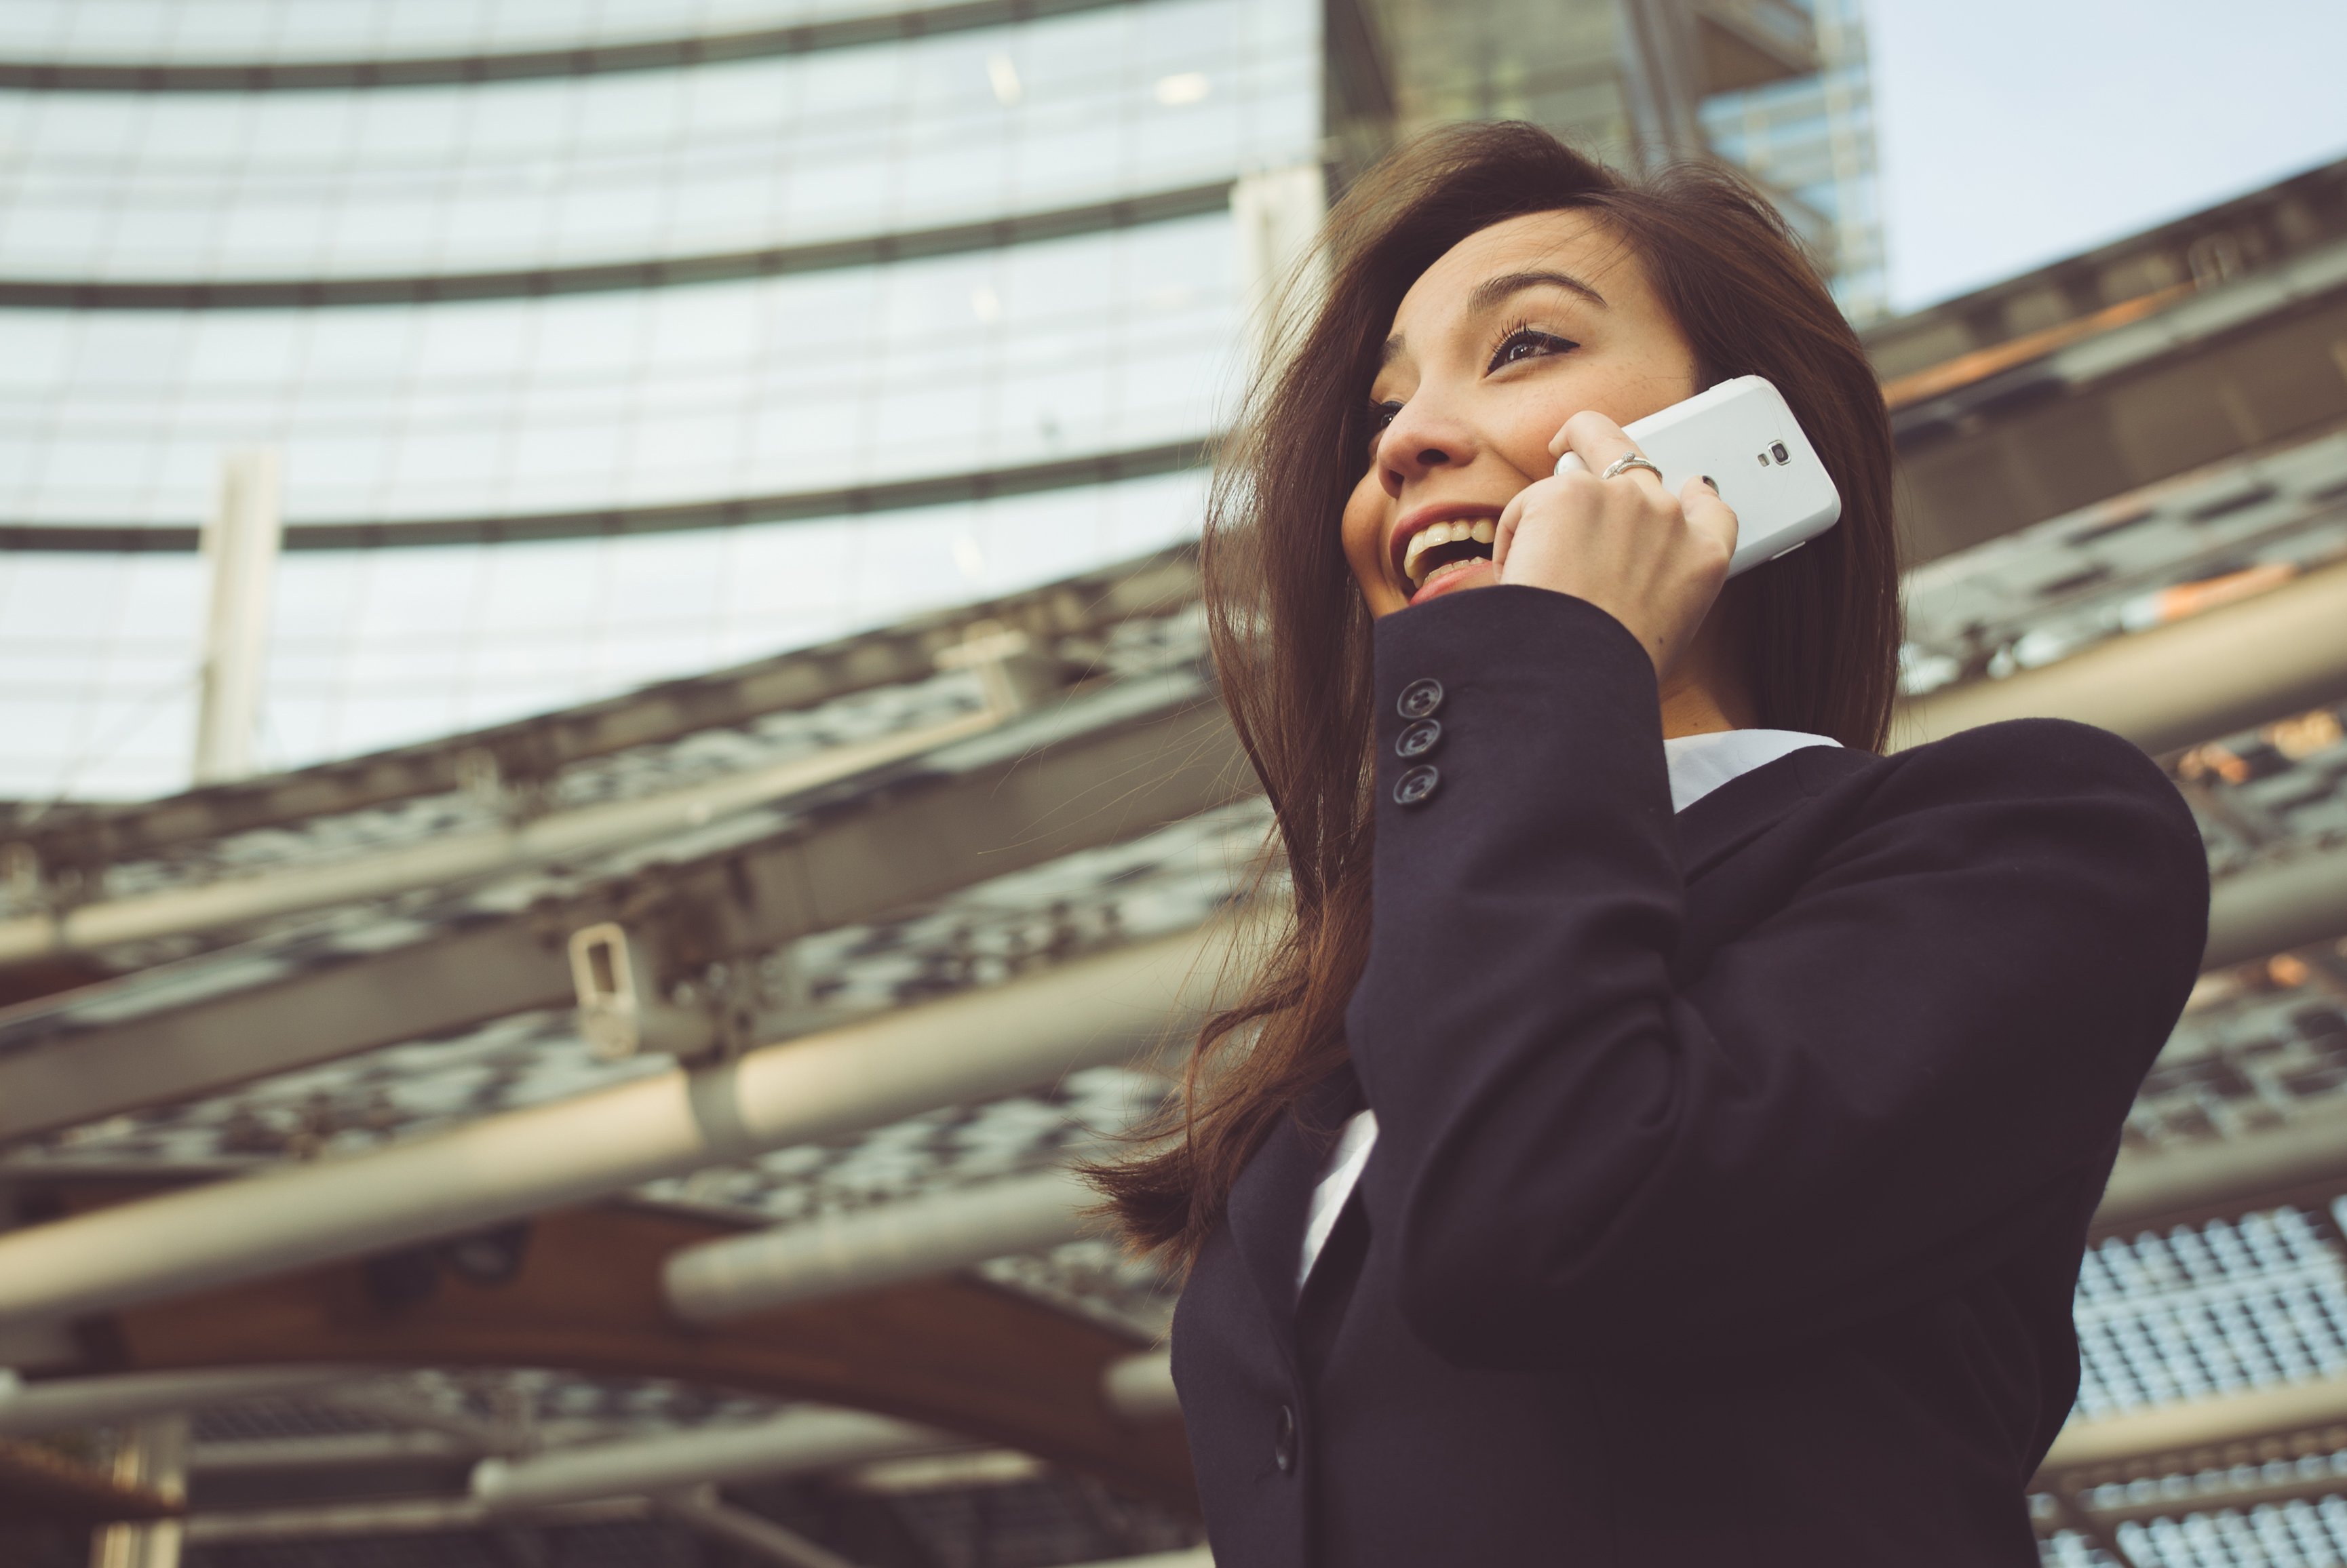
(1652, 561)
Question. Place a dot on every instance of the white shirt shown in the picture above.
(1698, 764)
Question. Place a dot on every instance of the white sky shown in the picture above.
(2016, 132)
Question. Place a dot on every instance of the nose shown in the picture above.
(1420, 439)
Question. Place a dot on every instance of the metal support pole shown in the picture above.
(57, 1404)
(701, 1509)
(984, 1043)
(240, 541)
(841, 1254)
(1278, 213)
(797, 1442)
(1141, 1388)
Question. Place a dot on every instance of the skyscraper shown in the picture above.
(1779, 87)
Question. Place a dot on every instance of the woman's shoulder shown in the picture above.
(2053, 780)
(2035, 759)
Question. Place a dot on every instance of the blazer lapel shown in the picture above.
(1746, 806)
(1269, 1202)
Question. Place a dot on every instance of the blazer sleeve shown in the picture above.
(1858, 1102)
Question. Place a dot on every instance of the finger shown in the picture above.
(1599, 443)
(1582, 428)
(1708, 515)
(1504, 532)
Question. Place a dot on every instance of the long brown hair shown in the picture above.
(1819, 629)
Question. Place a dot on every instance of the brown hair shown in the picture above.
(1291, 635)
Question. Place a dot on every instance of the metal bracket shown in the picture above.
(1013, 673)
(619, 1020)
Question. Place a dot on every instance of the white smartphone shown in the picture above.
(1742, 437)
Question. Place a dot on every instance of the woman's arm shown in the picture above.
(1851, 1105)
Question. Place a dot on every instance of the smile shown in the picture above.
(1439, 549)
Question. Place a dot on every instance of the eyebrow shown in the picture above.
(1492, 290)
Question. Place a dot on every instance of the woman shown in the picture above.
(1668, 1131)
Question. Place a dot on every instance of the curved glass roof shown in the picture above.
(377, 648)
(991, 359)
(521, 176)
(239, 32)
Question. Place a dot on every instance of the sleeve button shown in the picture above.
(1420, 698)
(1416, 786)
(1418, 738)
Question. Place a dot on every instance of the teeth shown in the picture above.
(1482, 530)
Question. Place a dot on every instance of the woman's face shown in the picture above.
(1512, 332)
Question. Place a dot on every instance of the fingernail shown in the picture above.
(1711, 481)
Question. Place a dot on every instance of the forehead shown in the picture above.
(1573, 243)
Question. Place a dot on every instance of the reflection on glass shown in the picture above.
(704, 160)
(1101, 343)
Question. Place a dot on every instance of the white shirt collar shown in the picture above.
(1701, 763)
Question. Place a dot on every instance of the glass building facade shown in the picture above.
(604, 343)
(598, 344)
(1810, 141)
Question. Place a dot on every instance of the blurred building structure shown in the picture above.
(635, 1131)
(1779, 87)
(599, 346)
(596, 344)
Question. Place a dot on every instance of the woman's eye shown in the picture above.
(1380, 415)
(1526, 344)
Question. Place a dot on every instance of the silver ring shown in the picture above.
(1629, 460)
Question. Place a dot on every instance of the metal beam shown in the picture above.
(2175, 1431)
(2272, 908)
(1096, 770)
(2148, 1190)
(58, 1404)
(328, 1450)
(798, 1442)
(975, 1046)
(602, 277)
(2235, 363)
(400, 1516)
(701, 1510)
(85, 838)
(855, 30)
(2225, 670)
(454, 857)
(840, 1254)
(1141, 1388)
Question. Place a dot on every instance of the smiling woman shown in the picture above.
(1636, 1067)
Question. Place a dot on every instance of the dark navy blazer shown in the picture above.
(1732, 1170)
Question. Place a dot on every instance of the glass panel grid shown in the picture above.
(1812, 139)
(704, 160)
(377, 648)
(1103, 342)
(256, 32)
(2234, 1305)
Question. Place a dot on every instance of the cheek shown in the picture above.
(1364, 528)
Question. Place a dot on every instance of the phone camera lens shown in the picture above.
(1778, 452)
